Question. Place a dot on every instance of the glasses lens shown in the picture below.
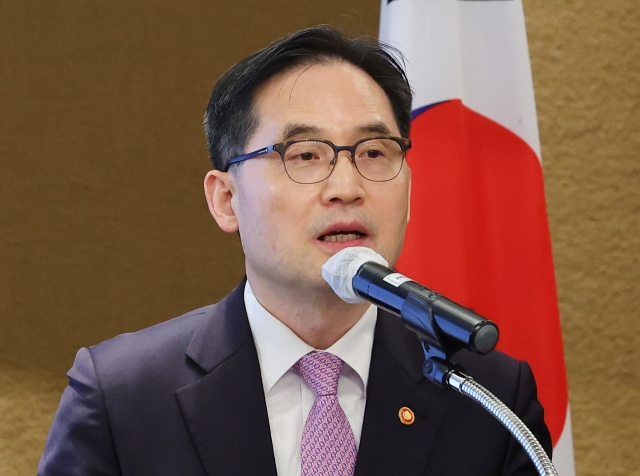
(308, 161)
(379, 160)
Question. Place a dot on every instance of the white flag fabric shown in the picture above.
(479, 231)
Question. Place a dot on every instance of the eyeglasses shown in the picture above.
(378, 159)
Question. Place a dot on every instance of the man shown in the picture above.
(307, 138)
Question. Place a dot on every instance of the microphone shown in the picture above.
(359, 274)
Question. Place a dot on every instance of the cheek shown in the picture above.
(392, 206)
(271, 216)
(404, 199)
(275, 226)
(391, 214)
(287, 211)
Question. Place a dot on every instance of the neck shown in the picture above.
(318, 316)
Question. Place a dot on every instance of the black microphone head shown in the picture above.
(485, 338)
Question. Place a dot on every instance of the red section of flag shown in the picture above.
(479, 235)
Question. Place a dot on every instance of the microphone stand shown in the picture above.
(438, 367)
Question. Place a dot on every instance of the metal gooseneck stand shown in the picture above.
(443, 328)
(418, 316)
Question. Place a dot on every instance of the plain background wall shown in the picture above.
(104, 228)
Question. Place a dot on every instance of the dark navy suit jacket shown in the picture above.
(185, 397)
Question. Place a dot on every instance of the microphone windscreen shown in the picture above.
(340, 269)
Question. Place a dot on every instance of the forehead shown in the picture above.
(333, 98)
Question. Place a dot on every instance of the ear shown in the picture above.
(409, 197)
(219, 189)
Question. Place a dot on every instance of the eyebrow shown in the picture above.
(291, 130)
(375, 128)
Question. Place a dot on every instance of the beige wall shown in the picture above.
(103, 227)
(586, 68)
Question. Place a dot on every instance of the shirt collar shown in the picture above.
(279, 347)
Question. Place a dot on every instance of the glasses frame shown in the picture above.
(281, 147)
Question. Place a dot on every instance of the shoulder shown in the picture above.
(174, 352)
(149, 357)
(500, 373)
(214, 322)
(489, 367)
(166, 337)
(509, 379)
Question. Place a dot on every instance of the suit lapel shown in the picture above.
(225, 410)
(387, 446)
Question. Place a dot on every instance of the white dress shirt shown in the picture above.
(289, 398)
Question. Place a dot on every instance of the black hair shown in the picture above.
(230, 118)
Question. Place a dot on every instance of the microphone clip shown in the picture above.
(417, 315)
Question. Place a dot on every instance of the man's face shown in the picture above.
(289, 230)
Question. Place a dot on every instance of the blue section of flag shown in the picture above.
(416, 112)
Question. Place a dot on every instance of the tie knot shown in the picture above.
(321, 370)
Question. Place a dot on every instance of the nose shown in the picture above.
(345, 182)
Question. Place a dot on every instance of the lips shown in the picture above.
(342, 232)
(340, 237)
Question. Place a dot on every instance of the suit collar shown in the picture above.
(226, 414)
(225, 410)
(222, 333)
(279, 348)
(387, 445)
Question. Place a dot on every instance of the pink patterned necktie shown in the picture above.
(328, 445)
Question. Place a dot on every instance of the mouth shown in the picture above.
(342, 232)
(341, 236)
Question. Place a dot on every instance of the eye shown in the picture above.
(307, 156)
(378, 151)
(307, 152)
(372, 150)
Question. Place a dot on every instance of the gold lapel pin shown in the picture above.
(406, 415)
